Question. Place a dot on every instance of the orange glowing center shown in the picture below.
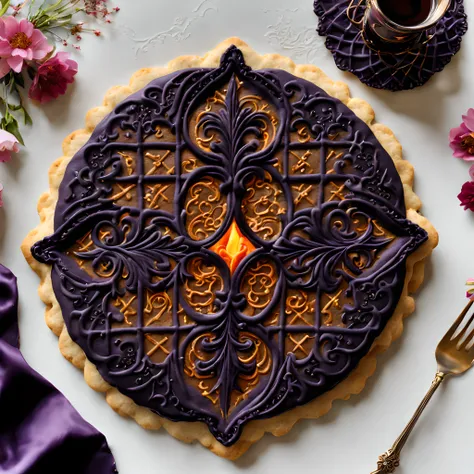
(233, 247)
(20, 40)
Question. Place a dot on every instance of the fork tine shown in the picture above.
(471, 353)
(464, 330)
(469, 338)
(458, 322)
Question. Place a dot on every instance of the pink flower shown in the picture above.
(8, 144)
(470, 291)
(52, 78)
(462, 138)
(19, 41)
(466, 196)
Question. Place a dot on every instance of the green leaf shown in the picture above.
(4, 6)
(31, 72)
(54, 14)
(8, 79)
(12, 127)
(27, 117)
(19, 79)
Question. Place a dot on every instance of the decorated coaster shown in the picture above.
(230, 247)
(389, 65)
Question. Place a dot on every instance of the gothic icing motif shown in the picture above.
(228, 244)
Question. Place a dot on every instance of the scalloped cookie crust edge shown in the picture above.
(254, 430)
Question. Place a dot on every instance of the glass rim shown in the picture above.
(434, 16)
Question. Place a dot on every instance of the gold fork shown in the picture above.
(455, 355)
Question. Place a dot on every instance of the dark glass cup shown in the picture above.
(386, 29)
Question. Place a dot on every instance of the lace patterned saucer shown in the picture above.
(341, 22)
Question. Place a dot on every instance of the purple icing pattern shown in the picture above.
(393, 72)
(139, 255)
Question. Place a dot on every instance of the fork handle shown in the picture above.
(390, 460)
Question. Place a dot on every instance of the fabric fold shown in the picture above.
(8, 308)
(40, 431)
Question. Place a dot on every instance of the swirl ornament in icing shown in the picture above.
(228, 244)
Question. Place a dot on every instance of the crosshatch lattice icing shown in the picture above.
(229, 244)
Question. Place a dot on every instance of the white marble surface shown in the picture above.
(354, 433)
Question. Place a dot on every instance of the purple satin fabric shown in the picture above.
(40, 431)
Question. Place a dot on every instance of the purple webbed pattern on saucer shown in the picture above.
(389, 71)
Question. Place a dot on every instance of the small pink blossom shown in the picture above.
(96, 8)
(461, 139)
(470, 291)
(8, 144)
(20, 41)
(53, 77)
(466, 196)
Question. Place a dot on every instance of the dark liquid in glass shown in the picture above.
(406, 12)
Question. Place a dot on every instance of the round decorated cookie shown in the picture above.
(228, 244)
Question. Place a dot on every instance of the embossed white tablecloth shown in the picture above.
(354, 433)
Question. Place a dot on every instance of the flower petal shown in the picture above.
(23, 53)
(466, 196)
(12, 26)
(41, 52)
(461, 154)
(5, 155)
(16, 63)
(468, 120)
(4, 68)
(5, 48)
(455, 133)
(26, 27)
(2, 28)
(471, 174)
(39, 45)
(7, 137)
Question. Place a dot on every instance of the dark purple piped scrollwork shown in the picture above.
(340, 21)
(228, 244)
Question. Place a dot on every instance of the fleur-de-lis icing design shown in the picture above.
(239, 128)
